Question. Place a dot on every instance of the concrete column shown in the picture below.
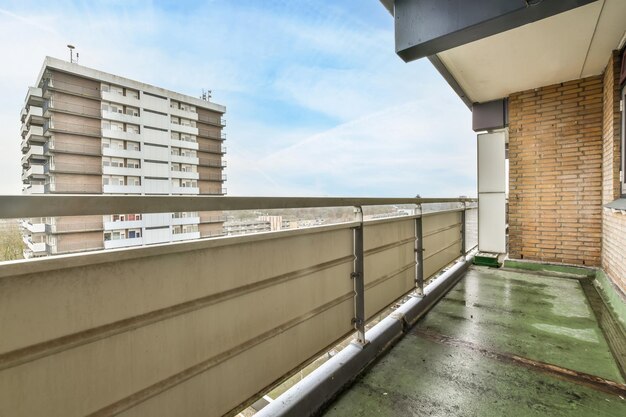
(492, 191)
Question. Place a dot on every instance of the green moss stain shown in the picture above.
(543, 318)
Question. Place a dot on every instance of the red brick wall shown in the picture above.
(555, 176)
(613, 223)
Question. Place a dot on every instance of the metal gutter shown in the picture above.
(452, 82)
(319, 388)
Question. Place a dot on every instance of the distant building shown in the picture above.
(86, 131)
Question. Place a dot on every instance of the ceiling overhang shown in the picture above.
(488, 49)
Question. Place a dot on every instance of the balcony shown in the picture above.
(34, 116)
(192, 160)
(33, 189)
(185, 220)
(35, 248)
(185, 190)
(60, 146)
(34, 225)
(121, 153)
(123, 243)
(211, 135)
(121, 135)
(50, 85)
(217, 163)
(212, 149)
(175, 127)
(73, 188)
(35, 152)
(157, 289)
(122, 189)
(53, 104)
(177, 237)
(183, 113)
(212, 120)
(214, 177)
(121, 117)
(74, 247)
(73, 227)
(128, 224)
(185, 175)
(118, 98)
(184, 144)
(34, 97)
(75, 128)
(35, 134)
(33, 171)
(111, 170)
(72, 168)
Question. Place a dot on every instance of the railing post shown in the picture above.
(463, 218)
(419, 254)
(358, 279)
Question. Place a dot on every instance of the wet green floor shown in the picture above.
(483, 350)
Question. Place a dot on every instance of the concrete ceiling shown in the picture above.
(564, 47)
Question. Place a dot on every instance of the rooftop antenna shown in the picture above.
(71, 48)
(206, 95)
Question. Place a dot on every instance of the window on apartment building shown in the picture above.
(177, 229)
(134, 233)
(175, 120)
(133, 146)
(114, 126)
(132, 163)
(175, 182)
(175, 151)
(175, 167)
(116, 89)
(188, 183)
(112, 180)
(133, 181)
(187, 122)
(132, 128)
(190, 228)
(173, 104)
(114, 235)
(133, 217)
(132, 93)
(187, 138)
(131, 111)
(175, 136)
(189, 153)
(188, 168)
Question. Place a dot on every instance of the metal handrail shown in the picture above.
(19, 206)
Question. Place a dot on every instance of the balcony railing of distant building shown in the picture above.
(72, 168)
(72, 108)
(50, 85)
(69, 147)
(214, 120)
(67, 127)
(203, 313)
(212, 148)
(212, 162)
(73, 227)
(211, 135)
(73, 187)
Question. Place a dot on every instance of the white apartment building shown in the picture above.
(90, 132)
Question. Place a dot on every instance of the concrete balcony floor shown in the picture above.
(501, 342)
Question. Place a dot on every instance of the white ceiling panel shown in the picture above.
(564, 47)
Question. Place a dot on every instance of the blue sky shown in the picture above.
(318, 104)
